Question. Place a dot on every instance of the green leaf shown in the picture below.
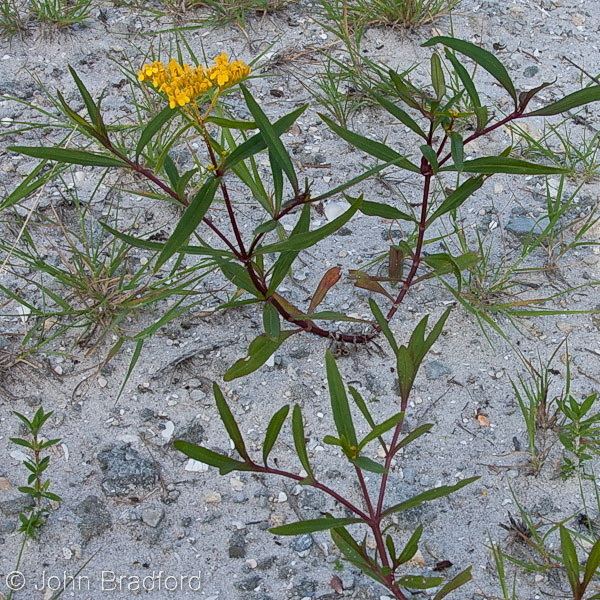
(92, 108)
(488, 165)
(339, 402)
(362, 406)
(411, 546)
(376, 149)
(257, 142)
(301, 241)
(259, 351)
(368, 464)
(300, 440)
(466, 79)
(419, 582)
(354, 554)
(569, 558)
(431, 156)
(239, 276)
(579, 98)
(482, 57)
(273, 431)
(383, 324)
(271, 321)
(277, 151)
(462, 578)
(158, 246)
(189, 221)
(33, 181)
(66, 155)
(400, 114)
(385, 211)
(283, 264)
(312, 526)
(413, 435)
(153, 128)
(592, 564)
(455, 199)
(380, 429)
(428, 496)
(457, 149)
(437, 76)
(208, 457)
(229, 422)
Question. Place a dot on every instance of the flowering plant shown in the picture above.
(445, 119)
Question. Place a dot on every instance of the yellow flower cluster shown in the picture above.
(183, 84)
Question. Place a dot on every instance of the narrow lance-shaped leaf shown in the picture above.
(429, 495)
(329, 279)
(437, 76)
(458, 581)
(482, 57)
(379, 430)
(339, 402)
(66, 155)
(354, 554)
(569, 557)
(419, 582)
(592, 564)
(277, 150)
(301, 241)
(259, 351)
(488, 165)
(229, 422)
(457, 149)
(283, 264)
(153, 127)
(312, 526)
(273, 431)
(465, 78)
(208, 457)
(385, 211)
(456, 198)
(383, 324)
(411, 546)
(190, 219)
(400, 114)
(574, 100)
(92, 108)
(372, 147)
(300, 441)
(271, 321)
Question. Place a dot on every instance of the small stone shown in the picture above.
(124, 469)
(237, 545)
(102, 382)
(436, 369)
(94, 518)
(212, 497)
(167, 432)
(5, 484)
(531, 71)
(152, 516)
(526, 226)
(282, 497)
(195, 466)
(302, 543)
(251, 563)
(193, 432)
(249, 584)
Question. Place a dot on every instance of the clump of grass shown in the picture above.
(556, 144)
(392, 13)
(227, 11)
(12, 22)
(61, 13)
(401, 13)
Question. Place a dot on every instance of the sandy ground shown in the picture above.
(130, 507)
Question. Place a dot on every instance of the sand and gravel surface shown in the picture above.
(132, 506)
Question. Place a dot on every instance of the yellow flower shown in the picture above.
(183, 83)
(227, 73)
